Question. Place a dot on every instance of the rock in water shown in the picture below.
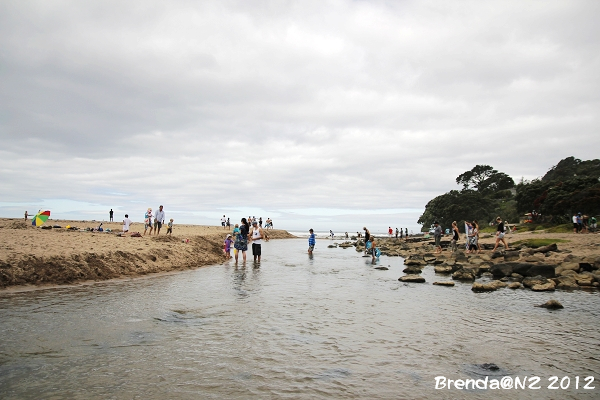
(412, 278)
(464, 275)
(412, 270)
(489, 367)
(382, 268)
(445, 283)
(551, 304)
(487, 287)
(515, 285)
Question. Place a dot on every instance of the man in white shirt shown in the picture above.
(159, 220)
(223, 222)
(126, 223)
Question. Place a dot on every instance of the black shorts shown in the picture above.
(158, 224)
(256, 249)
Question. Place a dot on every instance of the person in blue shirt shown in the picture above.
(311, 241)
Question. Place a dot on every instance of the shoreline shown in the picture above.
(33, 258)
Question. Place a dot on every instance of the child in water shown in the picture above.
(227, 246)
(311, 241)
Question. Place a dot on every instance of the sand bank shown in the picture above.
(35, 256)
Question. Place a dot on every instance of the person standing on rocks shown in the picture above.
(437, 235)
(367, 237)
(455, 237)
(396, 233)
(406, 233)
(390, 231)
(500, 235)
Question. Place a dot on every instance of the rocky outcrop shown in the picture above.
(515, 285)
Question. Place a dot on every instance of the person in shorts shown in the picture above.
(257, 236)
(311, 241)
(500, 235)
(223, 222)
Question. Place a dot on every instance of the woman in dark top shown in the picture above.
(500, 235)
(241, 240)
(455, 237)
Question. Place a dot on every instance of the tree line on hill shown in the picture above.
(569, 187)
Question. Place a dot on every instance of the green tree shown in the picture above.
(485, 193)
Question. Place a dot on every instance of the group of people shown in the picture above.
(399, 232)
(156, 221)
(583, 223)
(152, 222)
(472, 236)
(241, 235)
(251, 220)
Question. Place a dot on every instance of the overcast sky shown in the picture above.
(323, 114)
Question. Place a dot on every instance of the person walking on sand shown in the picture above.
(500, 235)
(126, 223)
(148, 221)
(159, 220)
(26, 215)
(437, 235)
(455, 237)
(223, 222)
(110, 214)
(170, 227)
(241, 240)
(311, 241)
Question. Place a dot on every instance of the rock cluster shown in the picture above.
(533, 269)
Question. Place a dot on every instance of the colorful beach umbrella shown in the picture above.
(40, 218)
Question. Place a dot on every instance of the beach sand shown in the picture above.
(35, 256)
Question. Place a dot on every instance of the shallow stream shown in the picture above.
(330, 326)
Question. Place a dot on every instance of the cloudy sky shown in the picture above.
(323, 114)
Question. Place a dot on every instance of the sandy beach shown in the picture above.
(35, 256)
